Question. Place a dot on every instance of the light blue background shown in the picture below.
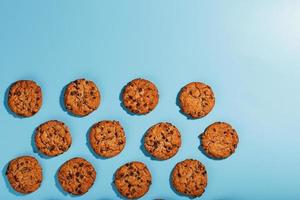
(248, 51)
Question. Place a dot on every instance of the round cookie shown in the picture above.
(82, 97)
(107, 138)
(24, 174)
(140, 96)
(76, 176)
(162, 140)
(219, 140)
(25, 98)
(196, 99)
(53, 138)
(189, 178)
(133, 180)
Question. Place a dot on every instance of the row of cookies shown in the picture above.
(81, 97)
(132, 180)
(162, 140)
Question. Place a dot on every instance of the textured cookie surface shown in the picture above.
(53, 138)
(196, 99)
(76, 176)
(107, 138)
(25, 98)
(140, 96)
(24, 174)
(162, 140)
(189, 177)
(219, 140)
(82, 97)
(133, 180)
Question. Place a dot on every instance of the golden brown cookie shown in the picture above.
(196, 99)
(76, 176)
(107, 138)
(219, 140)
(82, 97)
(140, 96)
(133, 180)
(53, 138)
(162, 140)
(25, 98)
(189, 178)
(24, 174)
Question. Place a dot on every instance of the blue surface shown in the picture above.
(248, 51)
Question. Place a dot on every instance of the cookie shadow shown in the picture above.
(8, 186)
(115, 189)
(177, 101)
(35, 149)
(175, 191)
(62, 102)
(122, 104)
(145, 152)
(90, 147)
(5, 104)
(57, 184)
(204, 152)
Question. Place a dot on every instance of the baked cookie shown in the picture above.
(162, 140)
(53, 138)
(189, 178)
(82, 97)
(196, 99)
(140, 96)
(219, 140)
(25, 98)
(24, 174)
(76, 176)
(133, 180)
(107, 138)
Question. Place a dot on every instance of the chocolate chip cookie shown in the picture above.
(189, 178)
(82, 97)
(24, 174)
(53, 138)
(25, 98)
(76, 176)
(133, 180)
(162, 140)
(107, 138)
(219, 140)
(140, 96)
(196, 99)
